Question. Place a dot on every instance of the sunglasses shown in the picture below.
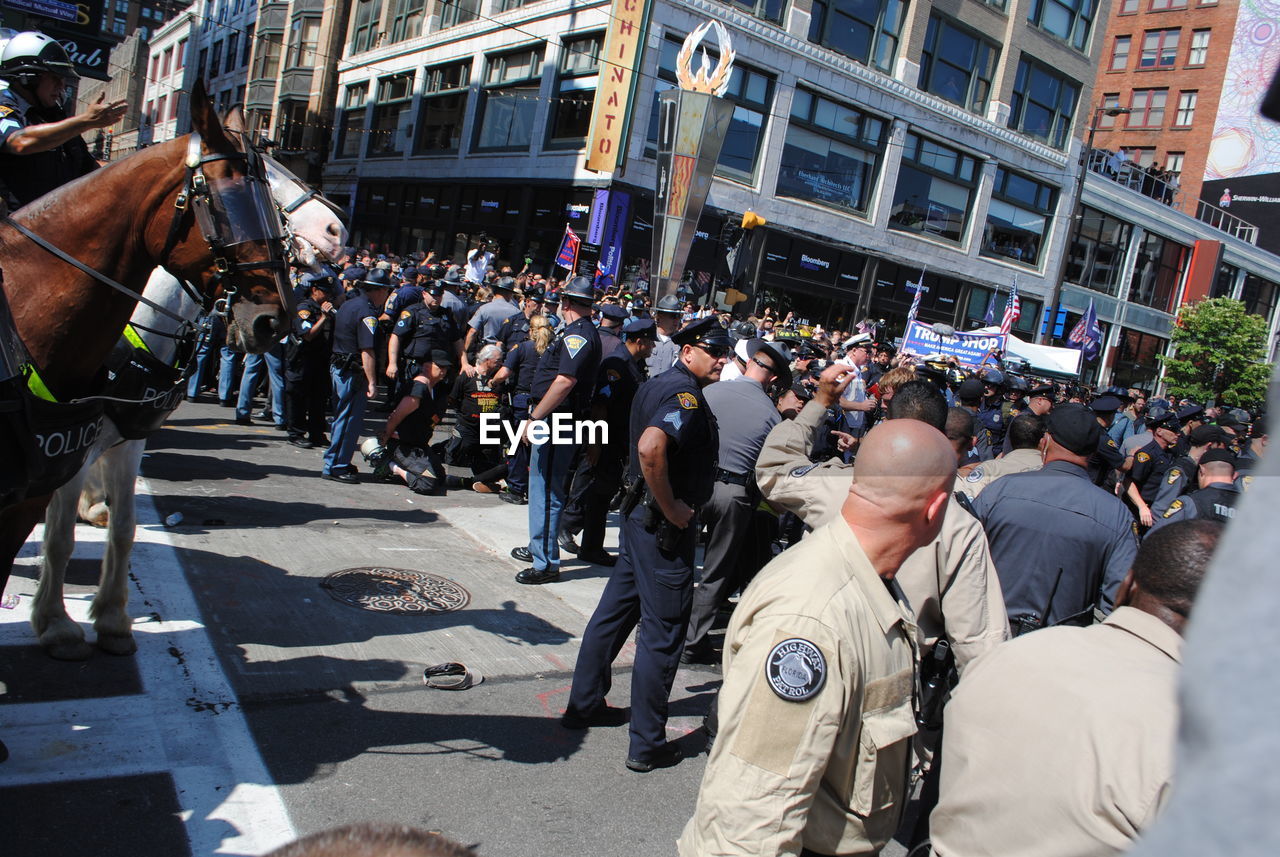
(716, 351)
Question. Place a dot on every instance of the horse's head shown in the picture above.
(235, 247)
(314, 223)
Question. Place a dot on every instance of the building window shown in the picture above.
(1186, 110)
(233, 43)
(351, 122)
(957, 65)
(248, 46)
(161, 103)
(864, 30)
(455, 12)
(832, 153)
(768, 10)
(293, 124)
(180, 57)
(387, 129)
(1018, 218)
(1097, 252)
(304, 38)
(752, 94)
(1166, 5)
(267, 62)
(406, 21)
(1109, 100)
(1129, 7)
(1173, 163)
(1043, 103)
(935, 189)
(510, 100)
(1146, 108)
(1159, 49)
(444, 104)
(173, 106)
(575, 92)
(203, 63)
(1199, 47)
(1224, 282)
(1157, 272)
(1120, 53)
(364, 31)
(1141, 156)
(1259, 296)
(155, 67)
(1069, 20)
(166, 65)
(508, 5)
(1137, 363)
(215, 60)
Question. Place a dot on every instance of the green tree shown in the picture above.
(1220, 354)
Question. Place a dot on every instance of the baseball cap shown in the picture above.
(1200, 435)
(1075, 428)
(1213, 455)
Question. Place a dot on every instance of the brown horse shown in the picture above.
(159, 207)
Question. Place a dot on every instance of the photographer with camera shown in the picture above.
(479, 258)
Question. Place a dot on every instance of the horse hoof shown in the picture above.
(117, 644)
(76, 650)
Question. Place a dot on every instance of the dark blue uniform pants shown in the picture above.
(655, 590)
(351, 389)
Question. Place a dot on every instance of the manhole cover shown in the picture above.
(395, 590)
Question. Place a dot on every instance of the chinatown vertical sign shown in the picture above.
(619, 71)
(692, 123)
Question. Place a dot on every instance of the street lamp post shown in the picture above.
(1073, 233)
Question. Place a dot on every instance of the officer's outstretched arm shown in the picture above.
(789, 480)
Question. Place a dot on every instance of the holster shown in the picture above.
(632, 493)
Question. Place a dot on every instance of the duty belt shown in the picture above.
(743, 479)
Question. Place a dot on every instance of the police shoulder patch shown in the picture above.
(1143, 457)
(405, 314)
(370, 322)
(1174, 475)
(1111, 443)
(975, 475)
(796, 670)
(1173, 508)
(675, 418)
(1247, 481)
(801, 471)
(304, 313)
(688, 401)
(574, 343)
(5, 110)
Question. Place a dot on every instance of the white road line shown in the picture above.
(189, 723)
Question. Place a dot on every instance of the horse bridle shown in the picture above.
(197, 196)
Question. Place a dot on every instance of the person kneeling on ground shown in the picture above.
(474, 397)
(406, 438)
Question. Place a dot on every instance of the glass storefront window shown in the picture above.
(1259, 296)
(1136, 364)
(957, 65)
(444, 104)
(1018, 218)
(1158, 272)
(934, 191)
(1224, 282)
(832, 153)
(510, 101)
(1097, 252)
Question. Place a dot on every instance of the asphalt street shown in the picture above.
(260, 707)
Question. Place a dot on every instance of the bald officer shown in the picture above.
(1060, 743)
(816, 711)
(951, 584)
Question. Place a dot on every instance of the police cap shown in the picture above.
(551, 299)
(705, 331)
(1159, 417)
(354, 274)
(1041, 390)
(379, 278)
(579, 289)
(505, 284)
(802, 392)
(1200, 435)
(535, 294)
(409, 274)
(1106, 404)
(971, 388)
(639, 328)
(324, 282)
(1074, 427)
(1213, 455)
(669, 303)
(453, 276)
(613, 312)
(435, 288)
(1191, 411)
(778, 356)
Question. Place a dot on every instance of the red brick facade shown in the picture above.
(1160, 139)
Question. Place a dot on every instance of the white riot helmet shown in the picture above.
(25, 55)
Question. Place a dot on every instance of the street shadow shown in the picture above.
(286, 731)
(203, 514)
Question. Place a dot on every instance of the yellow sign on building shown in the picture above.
(619, 69)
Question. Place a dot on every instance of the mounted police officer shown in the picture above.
(1217, 495)
(306, 376)
(563, 384)
(673, 459)
(353, 371)
(40, 146)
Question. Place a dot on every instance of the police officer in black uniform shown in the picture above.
(1104, 463)
(673, 459)
(306, 372)
(600, 473)
(563, 384)
(421, 331)
(1215, 499)
(1151, 462)
(353, 371)
(40, 146)
(1183, 475)
(612, 318)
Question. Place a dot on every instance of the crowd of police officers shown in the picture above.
(734, 435)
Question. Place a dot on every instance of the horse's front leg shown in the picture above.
(60, 637)
(110, 608)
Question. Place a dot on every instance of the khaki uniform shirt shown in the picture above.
(1060, 743)
(950, 583)
(973, 479)
(814, 750)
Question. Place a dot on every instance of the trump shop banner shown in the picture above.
(971, 349)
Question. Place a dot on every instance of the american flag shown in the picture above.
(1012, 309)
(915, 301)
(568, 255)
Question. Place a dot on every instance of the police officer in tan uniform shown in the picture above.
(1060, 743)
(951, 584)
(814, 753)
(1026, 438)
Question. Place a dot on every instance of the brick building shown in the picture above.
(1165, 61)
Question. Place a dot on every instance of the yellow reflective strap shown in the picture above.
(36, 384)
(134, 339)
